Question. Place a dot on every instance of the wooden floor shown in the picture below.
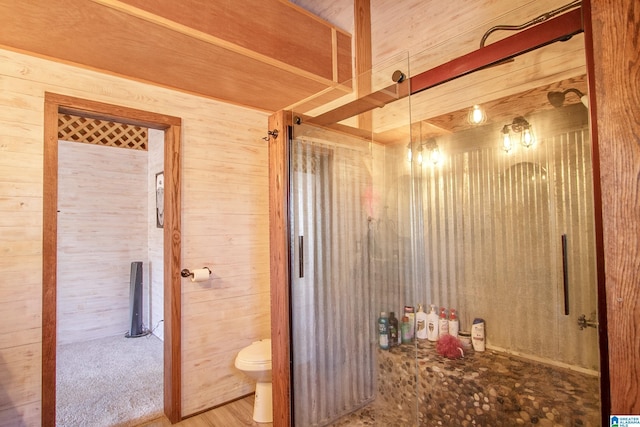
(238, 413)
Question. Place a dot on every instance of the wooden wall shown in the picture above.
(155, 276)
(434, 32)
(102, 228)
(224, 217)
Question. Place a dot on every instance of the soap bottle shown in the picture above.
(405, 331)
(454, 323)
(432, 324)
(477, 334)
(421, 323)
(443, 324)
(383, 331)
(393, 330)
(410, 312)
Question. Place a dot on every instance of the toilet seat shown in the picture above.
(256, 354)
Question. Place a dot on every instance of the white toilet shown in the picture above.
(255, 361)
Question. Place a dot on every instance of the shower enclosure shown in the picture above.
(398, 200)
(347, 259)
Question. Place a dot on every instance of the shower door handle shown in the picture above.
(565, 274)
(300, 256)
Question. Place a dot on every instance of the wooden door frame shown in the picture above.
(54, 104)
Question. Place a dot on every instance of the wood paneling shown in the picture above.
(337, 12)
(615, 107)
(243, 269)
(435, 32)
(155, 236)
(503, 110)
(102, 228)
(250, 28)
(561, 27)
(20, 370)
(251, 313)
(215, 49)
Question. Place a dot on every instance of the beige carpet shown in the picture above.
(113, 381)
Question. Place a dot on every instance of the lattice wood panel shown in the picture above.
(101, 132)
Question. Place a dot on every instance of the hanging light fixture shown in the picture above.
(433, 152)
(507, 143)
(419, 157)
(476, 115)
(518, 125)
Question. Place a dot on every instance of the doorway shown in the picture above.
(54, 105)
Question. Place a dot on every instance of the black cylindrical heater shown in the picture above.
(135, 302)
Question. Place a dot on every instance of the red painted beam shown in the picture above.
(555, 29)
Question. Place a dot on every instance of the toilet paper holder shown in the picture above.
(186, 273)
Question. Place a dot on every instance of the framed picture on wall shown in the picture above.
(160, 200)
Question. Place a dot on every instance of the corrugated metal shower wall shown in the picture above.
(332, 301)
(492, 244)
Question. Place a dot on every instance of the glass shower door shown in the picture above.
(350, 249)
(332, 354)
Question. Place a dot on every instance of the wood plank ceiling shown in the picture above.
(263, 54)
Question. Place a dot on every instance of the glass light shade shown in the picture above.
(476, 115)
(526, 137)
(409, 154)
(419, 159)
(585, 100)
(436, 156)
(507, 144)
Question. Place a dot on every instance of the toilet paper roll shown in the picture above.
(200, 275)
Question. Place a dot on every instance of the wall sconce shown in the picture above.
(431, 146)
(557, 98)
(476, 115)
(521, 126)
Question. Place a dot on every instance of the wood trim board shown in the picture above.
(279, 271)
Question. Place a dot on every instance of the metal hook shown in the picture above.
(270, 133)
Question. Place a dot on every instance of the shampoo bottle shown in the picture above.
(383, 331)
(410, 312)
(443, 325)
(454, 324)
(421, 323)
(393, 330)
(477, 334)
(405, 331)
(432, 324)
